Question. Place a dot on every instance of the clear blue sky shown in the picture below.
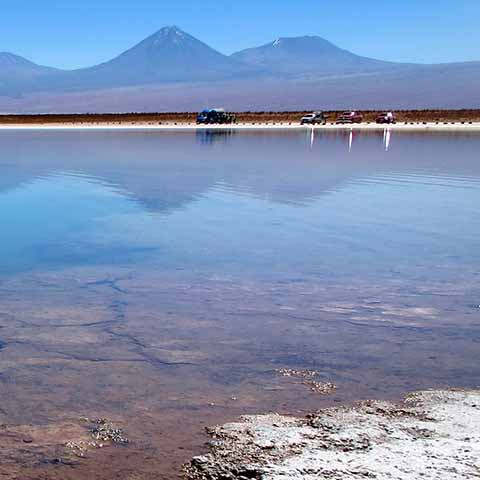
(73, 33)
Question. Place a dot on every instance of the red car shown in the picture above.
(350, 117)
(386, 117)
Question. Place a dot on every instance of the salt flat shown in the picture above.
(441, 127)
(430, 435)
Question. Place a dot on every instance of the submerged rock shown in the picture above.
(102, 434)
(306, 378)
(107, 432)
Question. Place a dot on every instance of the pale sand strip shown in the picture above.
(433, 127)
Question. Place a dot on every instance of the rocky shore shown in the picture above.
(429, 435)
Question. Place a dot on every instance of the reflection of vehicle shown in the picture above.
(215, 115)
(210, 136)
(386, 117)
(314, 118)
(350, 117)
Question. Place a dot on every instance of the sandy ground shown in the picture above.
(430, 435)
(457, 126)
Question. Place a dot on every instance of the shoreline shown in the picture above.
(368, 127)
(430, 434)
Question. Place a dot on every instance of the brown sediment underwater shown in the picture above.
(134, 351)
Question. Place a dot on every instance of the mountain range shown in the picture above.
(171, 71)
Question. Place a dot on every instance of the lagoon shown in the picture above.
(161, 279)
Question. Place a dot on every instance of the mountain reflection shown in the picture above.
(166, 171)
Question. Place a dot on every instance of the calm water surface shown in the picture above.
(160, 279)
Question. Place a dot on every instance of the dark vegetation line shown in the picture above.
(463, 115)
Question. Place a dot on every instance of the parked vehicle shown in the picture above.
(314, 118)
(350, 117)
(386, 117)
(215, 115)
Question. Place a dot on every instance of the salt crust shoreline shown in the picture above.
(431, 435)
(420, 127)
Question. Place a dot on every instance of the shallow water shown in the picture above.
(160, 279)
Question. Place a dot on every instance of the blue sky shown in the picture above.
(73, 33)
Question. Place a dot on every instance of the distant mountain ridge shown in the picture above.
(307, 55)
(13, 66)
(303, 66)
(170, 55)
